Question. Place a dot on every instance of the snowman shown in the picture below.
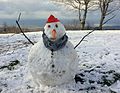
(53, 60)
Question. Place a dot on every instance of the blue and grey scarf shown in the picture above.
(54, 45)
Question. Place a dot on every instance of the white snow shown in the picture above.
(98, 53)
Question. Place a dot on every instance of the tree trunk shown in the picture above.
(82, 25)
(83, 21)
(101, 22)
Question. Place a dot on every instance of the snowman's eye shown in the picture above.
(56, 26)
(49, 26)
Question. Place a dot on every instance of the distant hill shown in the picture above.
(35, 23)
(30, 22)
(112, 27)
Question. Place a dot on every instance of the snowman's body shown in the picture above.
(52, 68)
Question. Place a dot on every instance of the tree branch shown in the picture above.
(111, 11)
(17, 22)
(84, 38)
(109, 19)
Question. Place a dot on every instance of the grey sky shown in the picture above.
(41, 9)
(30, 9)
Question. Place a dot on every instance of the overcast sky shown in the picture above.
(41, 9)
(31, 9)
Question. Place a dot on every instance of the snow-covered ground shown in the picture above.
(99, 63)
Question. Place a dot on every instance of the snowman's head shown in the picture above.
(54, 29)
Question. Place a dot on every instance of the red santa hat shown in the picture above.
(52, 19)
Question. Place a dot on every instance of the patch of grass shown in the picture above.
(116, 76)
(109, 82)
(105, 77)
(106, 81)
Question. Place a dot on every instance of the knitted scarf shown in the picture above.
(54, 45)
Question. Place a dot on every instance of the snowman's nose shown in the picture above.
(54, 34)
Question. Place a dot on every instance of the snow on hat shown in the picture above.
(52, 19)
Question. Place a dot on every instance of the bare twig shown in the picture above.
(19, 17)
(17, 21)
(11, 65)
(109, 19)
(84, 38)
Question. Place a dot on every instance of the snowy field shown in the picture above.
(99, 64)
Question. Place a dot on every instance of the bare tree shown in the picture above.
(5, 27)
(107, 8)
(82, 6)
